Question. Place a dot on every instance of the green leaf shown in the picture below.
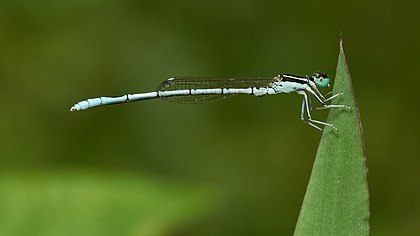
(337, 198)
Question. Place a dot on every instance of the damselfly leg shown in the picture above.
(327, 106)
(308, 119)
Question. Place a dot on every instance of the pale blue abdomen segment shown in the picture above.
(94, 102)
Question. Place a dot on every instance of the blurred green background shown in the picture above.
(238, 167)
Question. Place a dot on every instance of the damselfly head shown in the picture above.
(321, 80)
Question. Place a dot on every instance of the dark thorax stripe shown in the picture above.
(295, 79)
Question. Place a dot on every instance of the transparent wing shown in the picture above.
(182, 83)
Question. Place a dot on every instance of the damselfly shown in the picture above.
(197, 90)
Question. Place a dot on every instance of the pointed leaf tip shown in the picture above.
(337, 197)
